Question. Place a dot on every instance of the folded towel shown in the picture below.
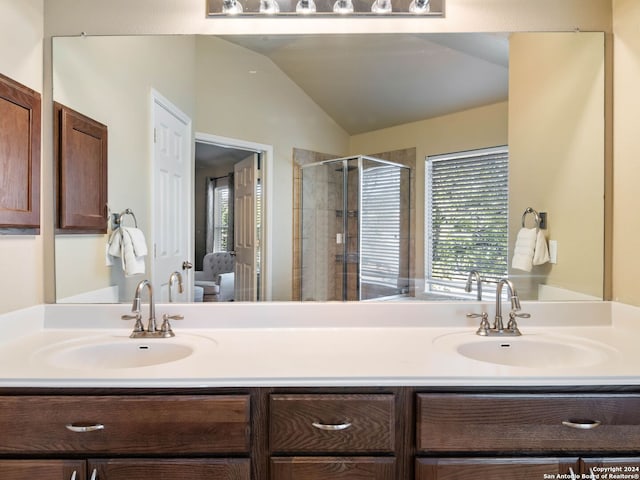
(524, 249)
(130, 245)
(541, 253)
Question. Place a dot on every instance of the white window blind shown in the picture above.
(466, 217)
(380, 225)
(221, 219)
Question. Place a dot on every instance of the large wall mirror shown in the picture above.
(273, 105)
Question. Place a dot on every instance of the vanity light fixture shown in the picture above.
(325, 8)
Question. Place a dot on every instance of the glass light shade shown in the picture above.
(419, 6)
(381, 6)
(306, 6)
(343, 6)
(231, 7)
(269, 7)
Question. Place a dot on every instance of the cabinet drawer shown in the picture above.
(332, 423)
(528, 423)
(132, 424)
(334, 468)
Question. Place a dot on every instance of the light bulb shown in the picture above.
(269, 7)
(306, 6)
(381, 6)
(231, 7)
(419, 6)
(343, 6)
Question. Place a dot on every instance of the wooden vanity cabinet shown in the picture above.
(262, 433)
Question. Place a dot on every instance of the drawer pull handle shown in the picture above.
(332, 427)
(84, 428)
(582, 424)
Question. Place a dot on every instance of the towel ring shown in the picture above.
(528, 211)
(117, 218)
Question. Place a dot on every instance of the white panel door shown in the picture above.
(171, 207)
(245, 234)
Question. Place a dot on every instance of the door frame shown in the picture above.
(266, 174)
(157, 100)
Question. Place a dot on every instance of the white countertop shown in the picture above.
(366, 344)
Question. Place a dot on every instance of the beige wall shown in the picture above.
(556, 150)
(626, 178)
(21, 256)
(110, 79)
(483, 127)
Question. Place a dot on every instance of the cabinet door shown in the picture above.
(493, 468)
(42, 470)
(627, 467)
(334, 468)
(170, 469)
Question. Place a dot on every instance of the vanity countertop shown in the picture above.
(367, 344)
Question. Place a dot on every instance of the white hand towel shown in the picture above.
(132, 264)
(541, 254)
(138, 241)
(131, 246)
(524, 249)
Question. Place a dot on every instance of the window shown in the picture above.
(221, 219)
(466, 221)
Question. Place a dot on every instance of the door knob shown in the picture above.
(186, 265)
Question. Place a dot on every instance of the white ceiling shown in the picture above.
(368, 82)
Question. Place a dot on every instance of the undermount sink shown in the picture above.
(529, 352)
(114, 353)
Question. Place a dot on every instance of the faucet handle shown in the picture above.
(483, 329)
(138, 318)
(513, 325)
(165, 328)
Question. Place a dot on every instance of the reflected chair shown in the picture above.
(217, 277)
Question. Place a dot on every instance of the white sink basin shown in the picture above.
(116, 352)
(529, 352)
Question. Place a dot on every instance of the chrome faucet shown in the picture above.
(151, 325)
(513, 296)
(151, 331)
(172, 279)
(474, 274)
(498, 326)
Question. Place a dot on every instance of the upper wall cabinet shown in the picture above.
(19, 155)
(81, 159)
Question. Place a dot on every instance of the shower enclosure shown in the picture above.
(355, 229)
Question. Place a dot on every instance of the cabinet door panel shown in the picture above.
(20, 124)
(141, 424)
(42, 469)
(334, 468)
(171, 469)
(493, 468)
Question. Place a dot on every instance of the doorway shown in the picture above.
(231, 194)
